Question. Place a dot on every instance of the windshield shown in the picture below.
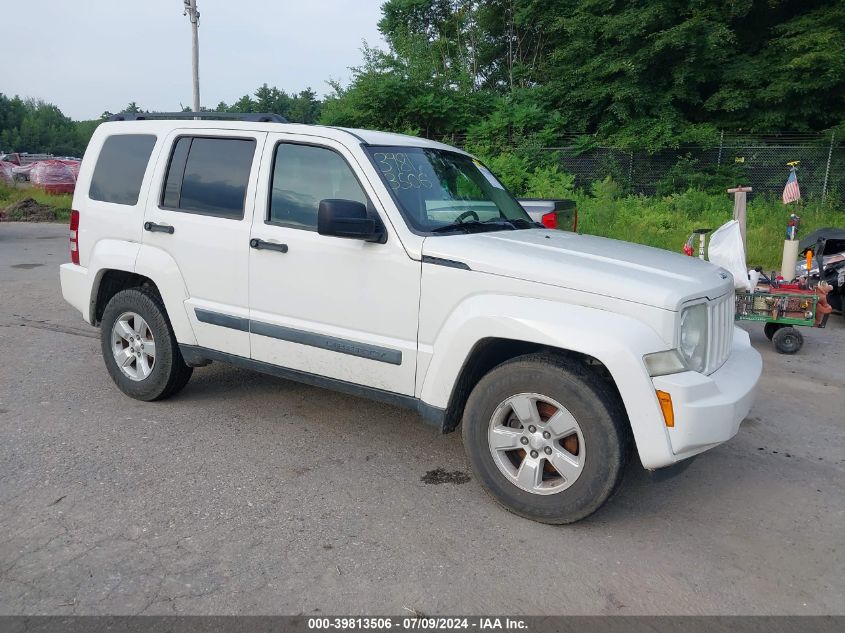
(443, 192)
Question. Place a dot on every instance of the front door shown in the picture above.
(335, 307)
(200, 217)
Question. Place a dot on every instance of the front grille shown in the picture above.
(721, 331)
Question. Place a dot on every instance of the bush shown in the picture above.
(550, 182)
(512, 169)
(687, 173)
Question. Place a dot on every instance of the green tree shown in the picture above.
(499, 74)
(637, 75)
(29, 125)
(793, 79)
(304, 107)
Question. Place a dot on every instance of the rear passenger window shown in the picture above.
(302, 176)
(120, 168)
(208, 176)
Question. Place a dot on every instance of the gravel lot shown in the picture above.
(249, 494)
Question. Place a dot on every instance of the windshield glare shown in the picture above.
(435, 188)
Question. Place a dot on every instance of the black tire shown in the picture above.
(788, 340)
(770, 328)
(169, 372)
(594, 405)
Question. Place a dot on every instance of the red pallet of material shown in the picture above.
(74, 168)
(53, 176)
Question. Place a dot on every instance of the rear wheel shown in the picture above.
(139, 347)
(546, 438)
(788, 340)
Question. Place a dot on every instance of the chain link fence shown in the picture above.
(759, 161)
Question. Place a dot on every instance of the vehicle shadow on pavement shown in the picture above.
(277, 405)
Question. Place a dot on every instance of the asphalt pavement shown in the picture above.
(250, 494)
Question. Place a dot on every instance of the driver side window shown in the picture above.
(302, 176)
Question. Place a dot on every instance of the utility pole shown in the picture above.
(194, 17)
(739, 208)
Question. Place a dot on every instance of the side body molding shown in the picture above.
(618, 341)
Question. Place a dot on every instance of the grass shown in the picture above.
(666, 222)
(61, 204)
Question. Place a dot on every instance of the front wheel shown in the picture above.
(788, 340)
(139, 347)
(546, 438)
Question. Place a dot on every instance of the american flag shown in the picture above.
(791, 192)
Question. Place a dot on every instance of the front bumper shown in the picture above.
(709, 409)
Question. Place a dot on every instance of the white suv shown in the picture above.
(401, 269)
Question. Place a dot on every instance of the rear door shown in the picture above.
(200, 217)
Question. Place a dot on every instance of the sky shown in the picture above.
(88, 56)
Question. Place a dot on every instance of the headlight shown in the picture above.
(693, 338)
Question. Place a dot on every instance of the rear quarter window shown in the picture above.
(120, 168)
(209, 176)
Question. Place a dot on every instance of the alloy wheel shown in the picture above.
(133, 346)
(536, 443)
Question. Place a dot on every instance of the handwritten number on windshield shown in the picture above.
(400, 172)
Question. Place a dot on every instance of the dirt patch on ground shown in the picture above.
(439, 476)
(28, 210)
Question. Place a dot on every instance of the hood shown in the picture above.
(834, 237)
(597, 265)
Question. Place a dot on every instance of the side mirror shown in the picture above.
(347, 218)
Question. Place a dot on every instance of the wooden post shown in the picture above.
(739, 209)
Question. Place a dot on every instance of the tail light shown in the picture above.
(74, 237)
(549, 220)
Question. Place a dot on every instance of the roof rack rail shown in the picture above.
(252, 117)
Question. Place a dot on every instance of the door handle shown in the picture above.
(152, 227)
(260, 245)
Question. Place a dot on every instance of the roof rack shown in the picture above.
(252, 117)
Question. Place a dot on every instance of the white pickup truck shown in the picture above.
(400, 269)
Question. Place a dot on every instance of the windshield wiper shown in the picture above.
(517, 223)
(472, 226)
(467, 227)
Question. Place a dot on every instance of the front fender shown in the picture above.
(618, 341)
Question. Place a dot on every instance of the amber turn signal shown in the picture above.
(665, 401)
